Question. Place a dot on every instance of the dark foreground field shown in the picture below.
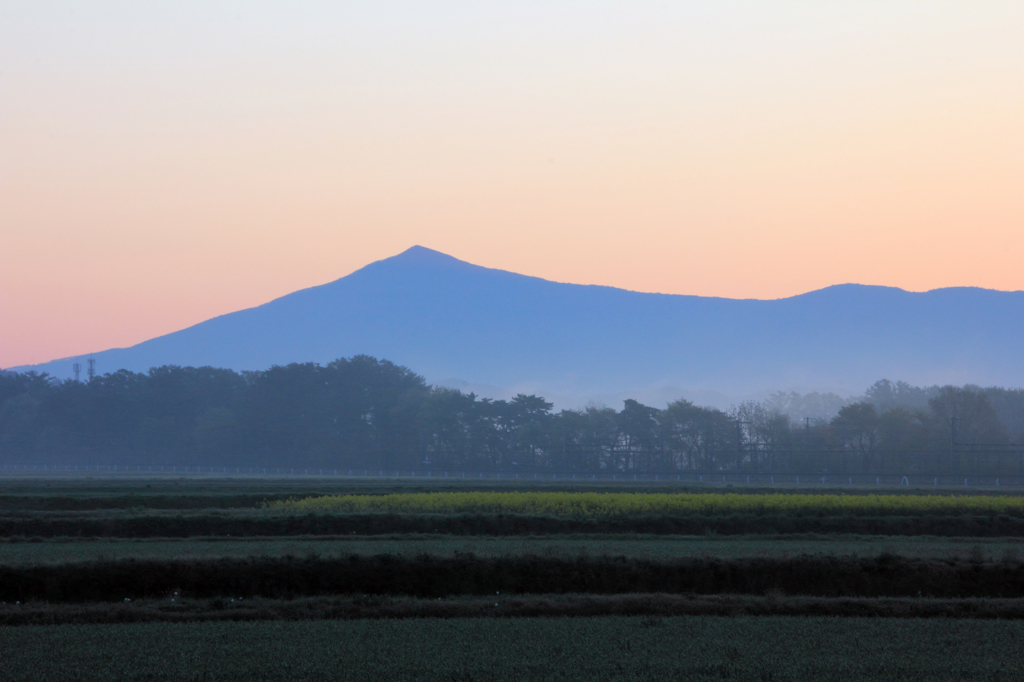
(599, 648)
(195, 579)
(20, 551)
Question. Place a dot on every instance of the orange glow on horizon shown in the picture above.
(159, 167)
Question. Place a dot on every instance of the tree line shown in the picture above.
(361, 412)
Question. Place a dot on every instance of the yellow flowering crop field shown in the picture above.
(606, 505)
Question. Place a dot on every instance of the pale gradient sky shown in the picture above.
(165, 162)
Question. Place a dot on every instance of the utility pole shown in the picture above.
(91, 372)
(77, 369)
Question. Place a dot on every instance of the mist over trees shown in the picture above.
(364, 413)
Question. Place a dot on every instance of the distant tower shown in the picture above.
(91, 372)
(77, 367)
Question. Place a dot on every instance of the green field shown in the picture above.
(373, 579)
(52, 491)
(619, 504)
(612, 648)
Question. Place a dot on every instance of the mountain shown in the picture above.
(456, 322)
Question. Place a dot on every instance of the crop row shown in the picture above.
(259, 524)
(363, 607)
(16, 551)
(604, 505)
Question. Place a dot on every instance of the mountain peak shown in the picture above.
(418, 259)
(421, 255)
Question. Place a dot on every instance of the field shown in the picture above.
(220, 578)
(612, 648)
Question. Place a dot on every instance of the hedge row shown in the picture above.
(467, 574)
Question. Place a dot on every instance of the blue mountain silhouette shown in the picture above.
(446, 318)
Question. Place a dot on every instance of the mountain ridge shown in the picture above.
(447, 318)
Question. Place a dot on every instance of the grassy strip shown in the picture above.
(612, 505)
(527, 606)
(266, 524)
(467, 574)
(23, 503)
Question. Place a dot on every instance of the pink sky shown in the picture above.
(163, 165)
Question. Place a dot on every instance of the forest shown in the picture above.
(362, 412)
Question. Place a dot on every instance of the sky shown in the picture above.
(162, 163)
